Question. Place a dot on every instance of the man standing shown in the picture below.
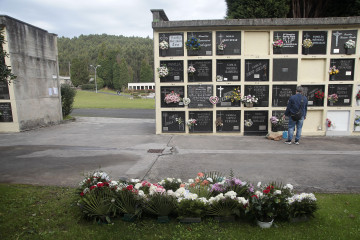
(296, 103)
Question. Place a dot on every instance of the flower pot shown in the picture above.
(163, 52)
(265, 224)
(230, 218)
(275, 128)
(332, 77)
(306, 51)
(220, 52)
(181, 127)
(190, 220)
(331, 103)
(318, 102)
(358, 102)
(299, 219)
(219, 128)
(128, 217)
(349, 51)
(277, 50)
(249, 105)
(163, 219)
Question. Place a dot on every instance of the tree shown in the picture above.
(238, 9)
(146, 73)
(124, 74)
(79, 72)
(5, 72)
(116, 76)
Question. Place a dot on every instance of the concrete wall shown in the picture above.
(33, 57)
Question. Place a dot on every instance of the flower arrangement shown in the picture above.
(193, 44)
(235, 95)
(219, 78)
(248, 123)
(221, 46)
(249, 99)
(329, 123)
(172, 97)
(163, 71)
(349, 44)
(191, 122)
(358, 95)
(278, 43)
(179, 120)
(307, 43)
(333, 97)
(164, 45)
(186, 101)
(357, 121)
(302, 205)
(191, 70)
(171, 183)
(264, 203)
(333, 70)
(275, 121)
(219, 122)
(319, 94)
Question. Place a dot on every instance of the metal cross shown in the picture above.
(219, 114)
(276, 90)
(337, 34)
(333, 62)
(163, 37)
(277, 36)
(306, 35)
(248, 64)
(220, 37)
(220, 89)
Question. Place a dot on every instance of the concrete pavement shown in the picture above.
(59, 155)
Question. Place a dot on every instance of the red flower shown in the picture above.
(266, 191)
(92, 187)
(130, 187)
(254, 196)
(100, 184)
(82, 194)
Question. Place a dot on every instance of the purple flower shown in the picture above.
(218, 187)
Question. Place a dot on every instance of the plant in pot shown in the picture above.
(249, 100)
(191, 122)
(307, 44)
(221, 47)
(333, 71)
(163, 45)
(302, 206)
(128, 201)
(190, 208)
(235, 95)
(219, 124)
(191, 71)
(349, 45)
(172, 97)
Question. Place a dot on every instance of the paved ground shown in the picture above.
(115, 113)
(59, 155)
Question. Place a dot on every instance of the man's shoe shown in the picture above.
(288, 142)
(297, 142)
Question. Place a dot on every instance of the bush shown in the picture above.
(67, 99)
(88, 86)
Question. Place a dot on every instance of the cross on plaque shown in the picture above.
(248, 64)
(219, 114)
(337, 35)
(306, 35)
(277, 36)
(163, 38)
(220, 37)
(276, 90)
(220, 89)
(247, 114)
(332, 87)
(333, 62)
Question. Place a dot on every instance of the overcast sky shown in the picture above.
(71, 18)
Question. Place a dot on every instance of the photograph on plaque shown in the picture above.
(259, 91)
(205, 41)
(343, 92)
(204, 121)
(343, 41)
(227, 70)
(171, 44)
(228, 121)
(318, 39)
(4, 90)
(200, 96)
(5, 112)
(256, 123)
(289, 41)
(257, 70)
(283, 125)
(173, 121)
(315, 95)
(228, 43)
(281, 94)
(285, 70)
(175, 71)
(228, 96)
(171, 96)
(342, 69)
(199, 71)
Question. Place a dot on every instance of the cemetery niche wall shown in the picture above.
(213, 64)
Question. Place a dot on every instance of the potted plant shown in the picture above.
(357, 123)
(349, 45)
(302, 206)
(357, 96)
(163, 71)
(163, 45)
(191, 123)
(319, 96)
(333, 98)
(219, 124)
(221, 47)
(276, 123)
(172, 97)
(307, 44)
(128, 200)
(333, 71)
(193, 46)
(249, 100)
(277, 45)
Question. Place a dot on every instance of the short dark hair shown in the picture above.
(299, 89)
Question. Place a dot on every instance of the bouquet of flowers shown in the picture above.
(221, 46)
(333, 70)
(191, 70)
(249, 99)
(319, 94)
(276, 121)
(302, 205)
(172, 97)
(358, 95)
(163, 71)
(186, 101)
(350, 44)
(219, 122)
(264, 203)
(328, 123)
(193, 44)
(357, 121)
(191, 122)
(219, 78)
(333, 97)
(164, 45)
(248, 123)
(235, 95)
(307, 43)
(179, 120)
(278, 43)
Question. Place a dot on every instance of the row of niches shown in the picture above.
(255, 122)
(257, 42)
(229, 70)
(205, 96)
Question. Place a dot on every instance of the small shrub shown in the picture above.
(89, 86)
(67, 99)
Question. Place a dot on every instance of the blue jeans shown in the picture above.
(291, 129)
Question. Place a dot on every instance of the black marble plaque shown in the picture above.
(6, 112)
(284, 126)
(167, 90)
(285, 70)
(228, 43)
(259, 91)
(346, 69)
(204, 121)
(176, 71)
(173, 121)
(227, 70)
(4, 90)
(338, 40)
(344, 92)
(203, 71)
(290, 39)
(259, 120)
(310, 91)
(281, 94)
(199, 96)
(257, 70)
(319, 39)
(224, 94)
(175, 42)
(205, 39)
(230, 121)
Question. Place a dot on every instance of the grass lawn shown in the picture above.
(86, 99)
(33, 212)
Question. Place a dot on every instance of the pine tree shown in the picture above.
(79, 71)
(116, 76)
(146, 73)
(124, 74)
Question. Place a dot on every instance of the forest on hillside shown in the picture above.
(122, 59)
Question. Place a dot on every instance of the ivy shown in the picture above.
(5, 72)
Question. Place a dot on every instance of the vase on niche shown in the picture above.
(317, 102)
(332, 77)
(277, 50)
(249, 105)
(306, 51)
(181, 127)
(192, 77)
(358, 102)
(275, 128)
(348, 51)
(220, 52)
(331, 103)
(219, 128)
(163, 52)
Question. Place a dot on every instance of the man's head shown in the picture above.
(299, 89)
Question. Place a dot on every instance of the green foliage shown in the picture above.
(124, 74)
(5, 71)
(116, 76)
(100, 83)
(67, 99)
(128, 202)
(146, 72)
(191, 208)
(160, 204)
(225, 207)
(88, 86)
(79, 71)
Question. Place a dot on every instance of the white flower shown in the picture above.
(113, 184)
(135, 180)
(113, 200)
(170, 193)
(162, 182)
(209, 179)
(181, 191)
(259, 184)
(86, 190)
(231, 194)
(259, 194)
(105, 176)
(277, 192)
(141, 193)
(204, 200)
(191, 196)
(289, 186)
(170, 179)
(179, 180)
(138, 186)
(242, 200)
(191, 180)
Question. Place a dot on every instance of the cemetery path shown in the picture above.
(114, 113)
(61, 154)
